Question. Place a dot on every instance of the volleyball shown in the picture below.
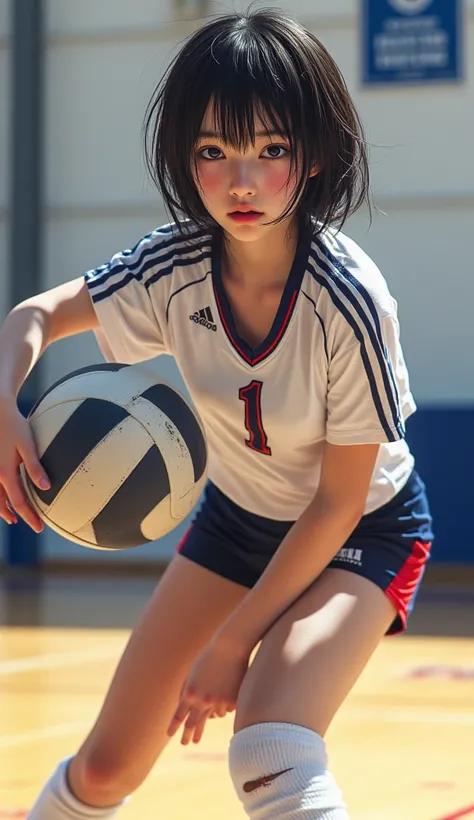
(125, 453)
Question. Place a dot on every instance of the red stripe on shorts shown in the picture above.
(403, 587)
(184, 539)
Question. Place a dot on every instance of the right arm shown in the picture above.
(26, 333)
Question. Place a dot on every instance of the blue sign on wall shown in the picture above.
(412, 41)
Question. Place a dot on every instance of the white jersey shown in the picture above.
(331, 367)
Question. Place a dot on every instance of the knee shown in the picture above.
(101, 778)
(280, 770)
(267, 750)
(257, 705)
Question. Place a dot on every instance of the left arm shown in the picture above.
(311, 544)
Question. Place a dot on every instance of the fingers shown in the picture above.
(221, 711)
(199, 728)
(194, 726)
(6, 511)
(13, 490)
(179, 717)
(194, 718)
(18, 447)
(32, 463)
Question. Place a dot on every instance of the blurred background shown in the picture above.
(75, 79)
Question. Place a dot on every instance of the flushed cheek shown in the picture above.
(210, 179)
(277, 182)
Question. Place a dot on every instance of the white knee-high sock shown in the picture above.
(279, 770)
(56, 802)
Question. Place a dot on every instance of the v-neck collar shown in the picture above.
(255, 355)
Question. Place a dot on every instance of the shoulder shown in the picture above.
(156, 256)
(167, 247)
(346, 278)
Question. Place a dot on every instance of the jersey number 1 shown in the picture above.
(251, 396)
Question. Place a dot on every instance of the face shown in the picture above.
(244, 190)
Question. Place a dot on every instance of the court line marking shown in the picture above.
(16, 666)
(7, 741)
(10, 740)
(458, 814)
(36, 735)
(410, 716)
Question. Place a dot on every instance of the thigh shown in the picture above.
(391, 547)
(188, 605)
(310, 659)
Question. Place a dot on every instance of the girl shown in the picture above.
(315, 529)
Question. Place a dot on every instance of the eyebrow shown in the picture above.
(258, 134)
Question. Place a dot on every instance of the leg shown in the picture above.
(187, 607)
(315, 653)
(305, 667)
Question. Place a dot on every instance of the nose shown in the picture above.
(242, 180)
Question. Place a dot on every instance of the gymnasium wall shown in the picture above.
(4, 146)
(103, 62)
(103, 58)
(4, 183)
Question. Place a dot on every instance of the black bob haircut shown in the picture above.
(259, 63)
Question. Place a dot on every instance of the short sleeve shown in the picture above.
(368, 394)
(129, 329)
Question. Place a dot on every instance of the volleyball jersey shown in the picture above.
(331, 367)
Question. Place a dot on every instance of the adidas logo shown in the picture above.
(204, 317)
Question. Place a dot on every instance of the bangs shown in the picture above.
(250, 91)
(261, 70)
(239, 117)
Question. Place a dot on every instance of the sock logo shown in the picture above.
(263, 781)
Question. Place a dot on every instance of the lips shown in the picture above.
(245, 211)
(245, 216)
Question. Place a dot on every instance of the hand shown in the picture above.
(16, 447)
(211, 690)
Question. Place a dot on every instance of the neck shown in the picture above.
(266, 261)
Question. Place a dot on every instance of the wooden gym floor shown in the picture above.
(402, 747)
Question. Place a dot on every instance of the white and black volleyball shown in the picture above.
(125, 453)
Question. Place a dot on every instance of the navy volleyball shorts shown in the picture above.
(389, 546)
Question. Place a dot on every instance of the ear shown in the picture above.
(315, 171)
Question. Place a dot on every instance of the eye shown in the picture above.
(212, 151)
(275, 151)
